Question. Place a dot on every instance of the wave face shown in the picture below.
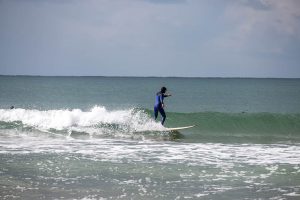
(138, 123)
(260, 123)
(219, 127)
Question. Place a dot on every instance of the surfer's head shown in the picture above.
(163, 90)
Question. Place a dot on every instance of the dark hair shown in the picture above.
(163, 89)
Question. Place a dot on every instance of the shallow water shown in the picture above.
(124, 169)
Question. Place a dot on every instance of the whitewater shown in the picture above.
(131, 119)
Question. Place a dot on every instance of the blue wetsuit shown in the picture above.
(159, 100)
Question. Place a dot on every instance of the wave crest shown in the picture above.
(132, 120)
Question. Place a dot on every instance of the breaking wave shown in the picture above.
(97, 121)
(137, 123)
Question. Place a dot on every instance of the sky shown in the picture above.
(185, 38)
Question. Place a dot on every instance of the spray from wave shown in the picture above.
(96, 121)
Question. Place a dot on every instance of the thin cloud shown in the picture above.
(261, 22)
(257, 4)
(166, 1)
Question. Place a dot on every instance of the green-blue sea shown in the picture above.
(95, 138)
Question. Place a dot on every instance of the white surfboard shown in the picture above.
(179, 128)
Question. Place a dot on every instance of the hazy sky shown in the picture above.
(203, 38)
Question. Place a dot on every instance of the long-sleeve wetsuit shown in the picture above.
(158, 106)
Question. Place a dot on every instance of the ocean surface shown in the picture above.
(95, 138)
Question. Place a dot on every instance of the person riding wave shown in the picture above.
(159, 104)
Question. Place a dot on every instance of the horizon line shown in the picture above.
(132, 76)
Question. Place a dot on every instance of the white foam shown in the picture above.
(225, 156)
(292, 194)
(131, 119)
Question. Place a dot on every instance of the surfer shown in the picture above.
(159, 104)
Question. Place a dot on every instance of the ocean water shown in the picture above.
(95, 138)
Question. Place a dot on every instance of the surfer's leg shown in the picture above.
(155, 112)
(163, 115)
